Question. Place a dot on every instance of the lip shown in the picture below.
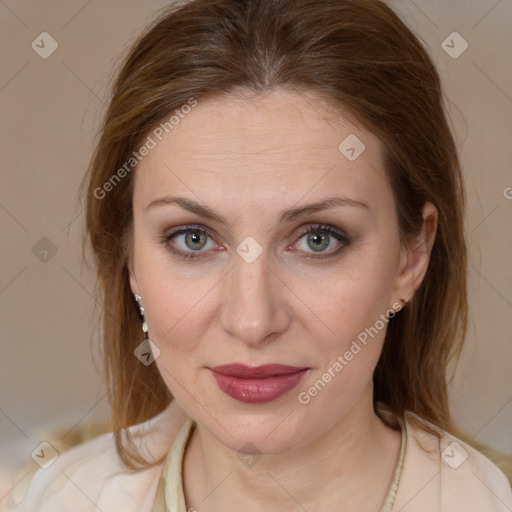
(257, 384)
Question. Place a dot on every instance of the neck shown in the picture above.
(331, 473)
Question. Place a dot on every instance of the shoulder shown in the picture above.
(91, 476)
(447, 472)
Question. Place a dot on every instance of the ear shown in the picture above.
(415, 255)
(133, 279)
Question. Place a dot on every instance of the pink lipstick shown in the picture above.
(257, 384)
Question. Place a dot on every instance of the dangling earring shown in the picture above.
(146, 352)
(138, 298)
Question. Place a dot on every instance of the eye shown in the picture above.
(318, 238)
(193, 241)
(189, 241)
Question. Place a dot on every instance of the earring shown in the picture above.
(147, 351)
(138, 298)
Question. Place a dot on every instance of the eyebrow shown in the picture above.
(286, 215)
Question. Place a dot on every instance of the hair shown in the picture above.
(362, 58)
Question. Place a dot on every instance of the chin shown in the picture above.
(260, 433)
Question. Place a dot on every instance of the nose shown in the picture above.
(254, 311)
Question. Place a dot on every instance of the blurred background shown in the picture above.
(56, 59)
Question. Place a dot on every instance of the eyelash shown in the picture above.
(312, 229)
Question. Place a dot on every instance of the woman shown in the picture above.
(276, 199)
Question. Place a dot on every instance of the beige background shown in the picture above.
(50, 113)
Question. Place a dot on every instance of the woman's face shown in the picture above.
(248, 285)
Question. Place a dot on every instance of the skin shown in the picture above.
(248, 158)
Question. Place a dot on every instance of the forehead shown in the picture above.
(281, 144)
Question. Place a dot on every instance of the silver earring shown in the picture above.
(146, 351)
(138, 298)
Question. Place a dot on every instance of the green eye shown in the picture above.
(195, 239)
(318, 240)
(189, 241)
(319, 237)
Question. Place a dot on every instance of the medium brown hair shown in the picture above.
(363, 59)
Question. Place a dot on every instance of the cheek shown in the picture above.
(347, 357)
(354, 300)
(353, 305)
(178, 301)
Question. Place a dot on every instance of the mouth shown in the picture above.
(257, 384)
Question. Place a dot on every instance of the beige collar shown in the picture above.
(170, 496)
